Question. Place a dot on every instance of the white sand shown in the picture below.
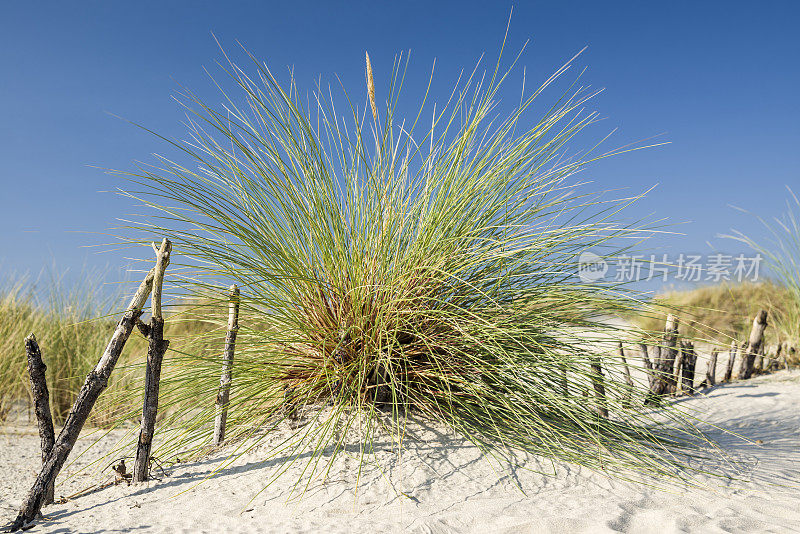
(446, 486)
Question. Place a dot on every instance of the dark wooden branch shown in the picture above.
(95, 383)
(753, 345)
(155, 355)
(223, 396)
(41, 401)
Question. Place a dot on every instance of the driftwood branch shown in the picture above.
(41, 401)
(155, 354)
(753, 345)
(96, 382)
(223, 396)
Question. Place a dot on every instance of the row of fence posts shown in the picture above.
(55, 451)
(670, 366)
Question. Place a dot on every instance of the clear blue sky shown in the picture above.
(719, 80)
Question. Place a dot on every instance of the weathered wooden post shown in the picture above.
(711, 370)
(664, 379)
(689, 361)
(731, 360)
(155, 354)
(223, 396)
(759, 361)
(41, 402)
(678, 371)
(647, 363)
(776, 361)
(753, 345)
(628, 380)
(96, 382)
(599, 388)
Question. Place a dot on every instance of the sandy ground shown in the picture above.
(442, 484)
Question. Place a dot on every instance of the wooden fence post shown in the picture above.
(664, 382)
(647, 363)
(96, 382)
(753, 345)
(628, 380)
(711, 370)
(223, 395)
(689, 361)
(599, 388)
(731, 360)
(774, 364)
(759, 361)
(41, 401)
(155, 354)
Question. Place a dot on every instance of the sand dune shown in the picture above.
(442, 484)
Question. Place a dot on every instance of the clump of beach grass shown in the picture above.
(720, 313)
(394, 268)
(72, 331)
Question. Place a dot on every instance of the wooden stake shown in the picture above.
(227, 366)
(96, 382)
(664, 380)
(689, 361)
(647, 363)
(753, 345)
(627, 372)
(731, 359)
(711, 370)
(677, 373)
(599, 388)
(777, 359)
(758, 361)
(155, 354)
(41, 401)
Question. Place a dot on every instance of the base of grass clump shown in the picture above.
(421, 273)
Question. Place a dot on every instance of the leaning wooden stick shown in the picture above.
(41, 401)
(227, 367)
(96, 382)
(155, 354)
(753, 345)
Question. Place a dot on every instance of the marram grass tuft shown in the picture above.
(391, 270)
